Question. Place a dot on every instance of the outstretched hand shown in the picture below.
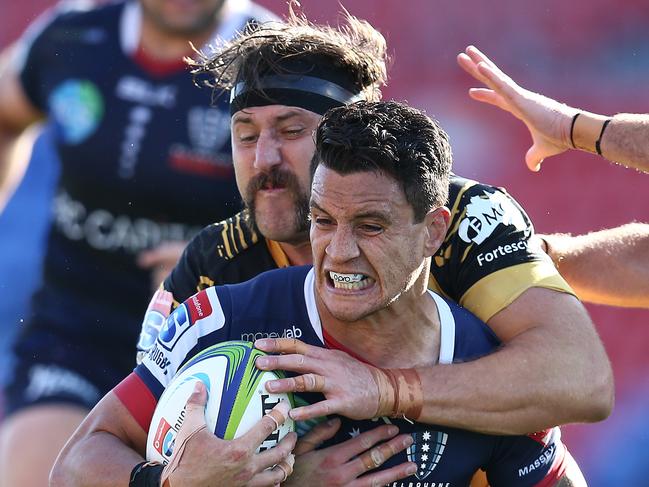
(547, 120)
(201, 459)
(349, 463)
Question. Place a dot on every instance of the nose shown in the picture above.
(343, 246)
(267, 151)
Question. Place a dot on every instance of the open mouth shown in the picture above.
(350, 281)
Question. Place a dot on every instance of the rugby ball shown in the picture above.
(237, 398)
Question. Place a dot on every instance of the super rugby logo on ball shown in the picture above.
(237, 398)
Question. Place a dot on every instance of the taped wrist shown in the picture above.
(400, 393)
(146, 474)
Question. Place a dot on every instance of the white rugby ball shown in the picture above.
(237, 398)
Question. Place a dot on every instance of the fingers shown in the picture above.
(385, 477)
(301, 383)
(368, 439)
(294, 363)
(277, 454)
(286, 345)
(318, 435)
(533, 159)
(195, 408)
(378, 455)
(266, 425)
(317, 410)
(486, 96)
(274, 476)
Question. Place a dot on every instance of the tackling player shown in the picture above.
(381, 174)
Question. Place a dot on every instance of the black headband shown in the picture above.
(314, 94)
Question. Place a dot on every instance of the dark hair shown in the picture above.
(351, 55)
(392, 138)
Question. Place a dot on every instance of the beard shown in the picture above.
(278, 178)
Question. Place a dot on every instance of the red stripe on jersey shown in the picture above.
(331, 342)
(137, 398)
(558, 468)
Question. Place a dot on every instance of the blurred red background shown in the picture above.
(591, 54)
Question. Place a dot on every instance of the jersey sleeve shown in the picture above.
(537, 460)
(182, 336)
(37, 50)
(185, 278)
(488, 258)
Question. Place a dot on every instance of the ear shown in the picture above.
(436, 226)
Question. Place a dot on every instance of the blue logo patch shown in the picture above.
(175, 325)
(168, 443)
(77, 108)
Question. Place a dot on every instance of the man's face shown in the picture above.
(367, 250)
(272, 147)
(182, 17)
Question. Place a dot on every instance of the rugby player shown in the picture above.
(556, 128)
(551, 368)
(126, 122)
(380, 180)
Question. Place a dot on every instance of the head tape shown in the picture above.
(310, 82)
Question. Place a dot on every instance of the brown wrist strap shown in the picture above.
(400, 393)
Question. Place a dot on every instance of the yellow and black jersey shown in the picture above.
(486, 261)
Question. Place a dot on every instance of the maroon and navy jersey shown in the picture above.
(281, 303)
(485, 262)
(145, 159)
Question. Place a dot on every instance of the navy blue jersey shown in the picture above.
(145, 158)
(281, 303)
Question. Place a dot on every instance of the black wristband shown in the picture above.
(599, 140)
(572, 128)
(146, 474)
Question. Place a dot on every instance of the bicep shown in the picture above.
(540, 308)
(112, 417)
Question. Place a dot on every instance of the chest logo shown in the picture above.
(426, 451)
(77, 108)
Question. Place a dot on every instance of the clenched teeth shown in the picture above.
(350, 281)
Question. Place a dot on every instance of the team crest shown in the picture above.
(426, 451)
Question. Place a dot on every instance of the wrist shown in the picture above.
(588, 130)
(400, 393)
(146, 474)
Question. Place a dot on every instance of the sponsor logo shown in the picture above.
(544, 459)
(51, 381)
(293, 332)
(77, 108)
(134, 132)
(175, 325)
(199, 307)
(159, 358)
(139, 91)
(484, 213)
(103, 230)
(164, 438)
(426, 451)
(500, 251)
(165, 435)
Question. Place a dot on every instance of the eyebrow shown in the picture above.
(239, 118)
(380, 216)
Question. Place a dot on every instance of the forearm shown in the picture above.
(606, 267)
(553, 373)
(624, 141)
(98, 460)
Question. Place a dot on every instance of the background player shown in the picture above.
(382, 237)
(555, 128)
(283, 79)
(128, 122)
